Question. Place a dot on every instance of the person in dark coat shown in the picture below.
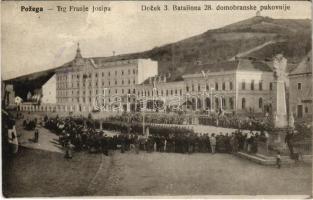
(288, 141)
(123, 143)
(104, 145)
(36, 135)
(68, 150)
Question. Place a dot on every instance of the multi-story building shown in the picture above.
(86, 83)
(300, 89)
(241, 85)
(161, 93)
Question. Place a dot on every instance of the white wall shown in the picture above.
(49, 91)
(146, 69)
(252, 96)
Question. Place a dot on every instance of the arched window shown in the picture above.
(216, 86)
(224, 103)
(260, 85)
(208, 103)
(243, 85)
(260, 102)
(231, 103)
(216, 103)
(243, 103)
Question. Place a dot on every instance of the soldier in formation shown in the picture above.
(84, 137)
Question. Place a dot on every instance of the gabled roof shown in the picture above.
(240, 64)
(305, 66)
(253, 65)
(217, 67)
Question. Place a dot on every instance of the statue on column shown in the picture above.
(279, 92)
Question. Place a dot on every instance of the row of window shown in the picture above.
(77, 84)
(229, 105)
(224, 86)
(145, 93)
(98, 74)
(252, 85)
(208, 88)
(244, 103)
(108, 92)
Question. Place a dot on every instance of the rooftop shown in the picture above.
(305, 65)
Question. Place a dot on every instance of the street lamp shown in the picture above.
(211, 90)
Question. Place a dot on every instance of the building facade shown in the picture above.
(300, 89)
(95, 84)
(241, 85)
(86, 84)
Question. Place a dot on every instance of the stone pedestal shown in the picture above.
(277, 138)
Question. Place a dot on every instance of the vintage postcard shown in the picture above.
(156, 99)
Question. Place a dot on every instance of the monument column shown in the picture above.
(279, 105)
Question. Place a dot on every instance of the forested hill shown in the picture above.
(259, 37)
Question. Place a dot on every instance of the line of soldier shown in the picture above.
(73, 132)
(226, 121)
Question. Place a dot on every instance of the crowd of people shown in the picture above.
(30, 124)
(233, 121)
(80, 135)
(224, 120)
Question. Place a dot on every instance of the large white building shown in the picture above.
(240, 85)
(85, 84)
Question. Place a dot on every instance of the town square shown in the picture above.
(227, 111)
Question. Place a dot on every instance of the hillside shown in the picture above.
(258, 37)
(292, 37)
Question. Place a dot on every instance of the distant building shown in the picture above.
(86, 83)
(300, 89)
(164, 94)
(242, 85)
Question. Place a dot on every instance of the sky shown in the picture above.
(33, 42)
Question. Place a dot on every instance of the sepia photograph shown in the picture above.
(156, 99)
